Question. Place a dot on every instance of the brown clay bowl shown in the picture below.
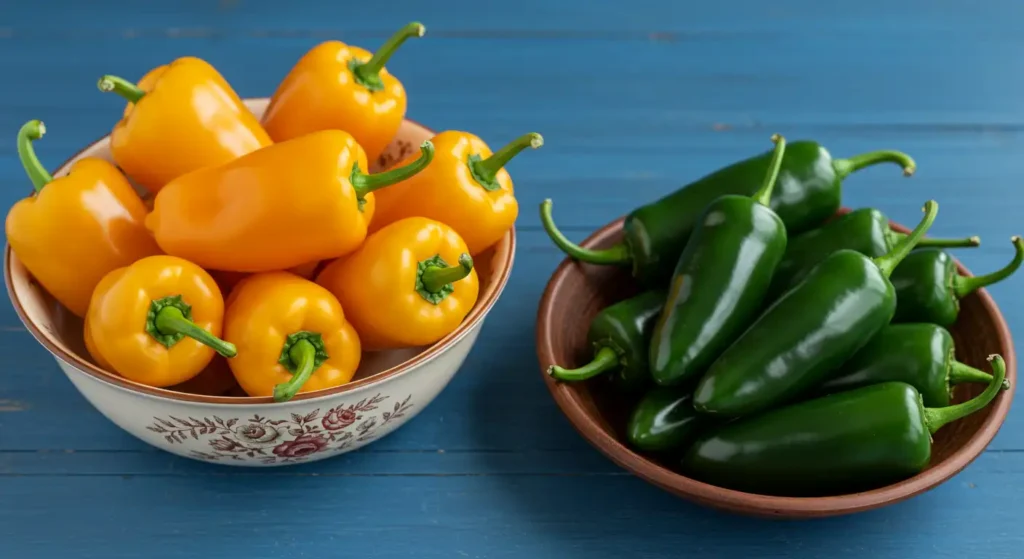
(576, 292)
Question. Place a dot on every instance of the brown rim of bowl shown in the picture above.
(472, 319)
(752, 503)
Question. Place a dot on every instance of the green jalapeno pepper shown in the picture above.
(919, 354)
(929, 289)
(808, 333)
(663, 420)
(841, 443)
(809, 191)
(865, 230)
(619, 336)
(720, 280)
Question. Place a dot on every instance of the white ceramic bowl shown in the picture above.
(212, 425)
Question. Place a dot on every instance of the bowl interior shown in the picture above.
(61, 331)
(577, 292)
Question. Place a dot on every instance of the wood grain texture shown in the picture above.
(633, 100)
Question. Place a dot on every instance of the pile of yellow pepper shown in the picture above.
(319, 260)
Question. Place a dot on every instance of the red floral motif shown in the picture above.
(303, 446)
(338, 418)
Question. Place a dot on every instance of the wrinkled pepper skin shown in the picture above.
(921, 355)
(720, 281)
(77, 228)
(808, 191)
(865, 230)
(884, 436)
(619, 336)
(466, 187)
(262, 212)
(337, 86)
(267, 315)
(807, 334)
(664, 420)
(410, 284)
(156, 321)
(180, 117)
(929, 288)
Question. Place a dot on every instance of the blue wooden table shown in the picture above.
(633, 99)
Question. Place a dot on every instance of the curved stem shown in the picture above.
(949, 243)
(959, 372)
(963, 286)
(844, 167)
(888, 262)
(368, 73)
(171, 321)
(29, 132)
(303, 357)
(763, 195)
(616, 254)
(484, 171)
(936, 418)
(605, 359)
(122, 87)
(364, 183)
(435, 278)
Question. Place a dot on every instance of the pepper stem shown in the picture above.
(888, 262)
(605, 359)
(936, 418)
(616, 254)
(763, 195)
(367, 73)
(932, 242)
(960, 373)
(963, 286)
(436, 277)
(364, 183)
(302, 354)
(170, 320)
(844, 167)
(485, 171)
(30, 132)
(122, 87)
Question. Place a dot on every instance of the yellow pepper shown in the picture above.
(465, 186)
(291, 335)
(78, 227)
(398, 289)
(156, 321)
(336, 86)
(180, 117)
(282, 206)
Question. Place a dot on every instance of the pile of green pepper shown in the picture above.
(780, 348)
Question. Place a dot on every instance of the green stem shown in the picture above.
(605, 359)
(616, 254)
(959, 373)
(485, 171)
(844, 167)
(170, 320)
(303, 357)
(122, 87)
(30, 132)
(963, 286)
(435, 278)
(948, 243)
(763, 195)
(364, 183)
(367, 73)
(888, 262)
(936, 418)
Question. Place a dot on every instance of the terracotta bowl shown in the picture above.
(576, 292)
(209, 418)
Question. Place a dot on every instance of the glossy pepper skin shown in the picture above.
(76, 228)
(884, 436)
(466, 187)
(291, 335)
(264, 212)
(929, 288)
(720, 281)
(807, 334)
(180, 117)
(156, 321)
(663, 421)
(865, 230)
(410, 284)
(809, 191)
(921, 355)
(337, 86)
(619, 336)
